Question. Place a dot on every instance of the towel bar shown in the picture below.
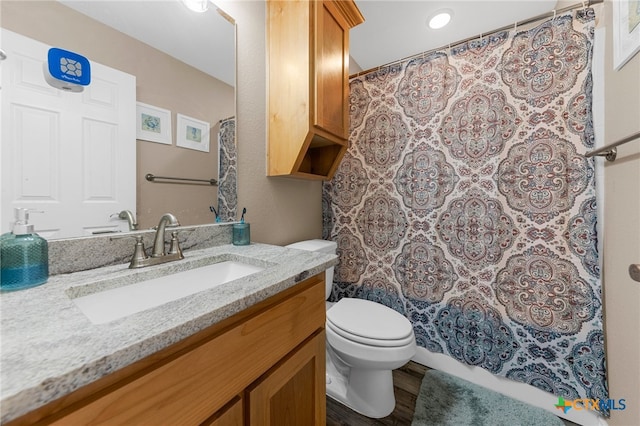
(151, 178)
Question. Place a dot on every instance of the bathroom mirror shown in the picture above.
(175, 36)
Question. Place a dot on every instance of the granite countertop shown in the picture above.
(50, 348)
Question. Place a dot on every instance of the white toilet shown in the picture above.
(365, 341)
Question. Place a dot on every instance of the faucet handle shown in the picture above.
(138, 253)
(175, 245)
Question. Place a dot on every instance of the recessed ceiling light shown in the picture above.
(440, 19)
(199, 6)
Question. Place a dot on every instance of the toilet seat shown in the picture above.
(396, 343)
(369, 323)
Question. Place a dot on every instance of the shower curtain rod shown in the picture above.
(551, 14)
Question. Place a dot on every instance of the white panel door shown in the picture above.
(71, 155)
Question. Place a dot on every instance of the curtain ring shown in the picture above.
(515, 26)
(584, 5)
(554, 15)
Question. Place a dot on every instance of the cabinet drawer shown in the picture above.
(190, 388)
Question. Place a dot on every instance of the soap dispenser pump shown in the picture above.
(24, 255)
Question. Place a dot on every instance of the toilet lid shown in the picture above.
(369, 321)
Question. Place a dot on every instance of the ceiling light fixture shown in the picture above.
(440, 19)
(199, 6)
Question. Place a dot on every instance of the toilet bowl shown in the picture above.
(365, 341)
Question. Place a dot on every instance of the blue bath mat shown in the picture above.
(445, 400)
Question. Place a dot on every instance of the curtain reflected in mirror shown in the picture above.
(227, 171)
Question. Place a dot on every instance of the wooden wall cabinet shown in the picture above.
(263, 366)
(308, 85)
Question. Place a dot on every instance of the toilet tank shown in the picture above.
(322, 246)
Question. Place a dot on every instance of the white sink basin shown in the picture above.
(108, 305)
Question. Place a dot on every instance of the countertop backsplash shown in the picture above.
(83, 253)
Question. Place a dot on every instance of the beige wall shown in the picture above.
(160, 81)
(622, 232)
(280, 210)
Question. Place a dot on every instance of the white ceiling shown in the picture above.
(392, 29)
(205, 41)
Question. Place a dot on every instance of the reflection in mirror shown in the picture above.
(200, 87)
(228, 171)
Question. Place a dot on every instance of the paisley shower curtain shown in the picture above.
(465, 203)
(227, 171)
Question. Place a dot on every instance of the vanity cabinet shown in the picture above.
(308, 85)
(262, 366)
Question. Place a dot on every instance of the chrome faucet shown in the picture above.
(167, 219)
(158, 255)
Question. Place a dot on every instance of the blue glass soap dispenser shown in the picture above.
(24, 255)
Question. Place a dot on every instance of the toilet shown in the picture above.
(365, 341)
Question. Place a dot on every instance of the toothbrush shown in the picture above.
(214, 211)
(244, 210)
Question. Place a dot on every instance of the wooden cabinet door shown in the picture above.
(331, 70)
(292, 393)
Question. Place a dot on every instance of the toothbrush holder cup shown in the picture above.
(241, 234)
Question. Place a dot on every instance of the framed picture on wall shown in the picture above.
(192, 133)
(153, 124)
(626, 31)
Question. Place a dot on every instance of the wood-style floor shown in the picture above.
(406, 384)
